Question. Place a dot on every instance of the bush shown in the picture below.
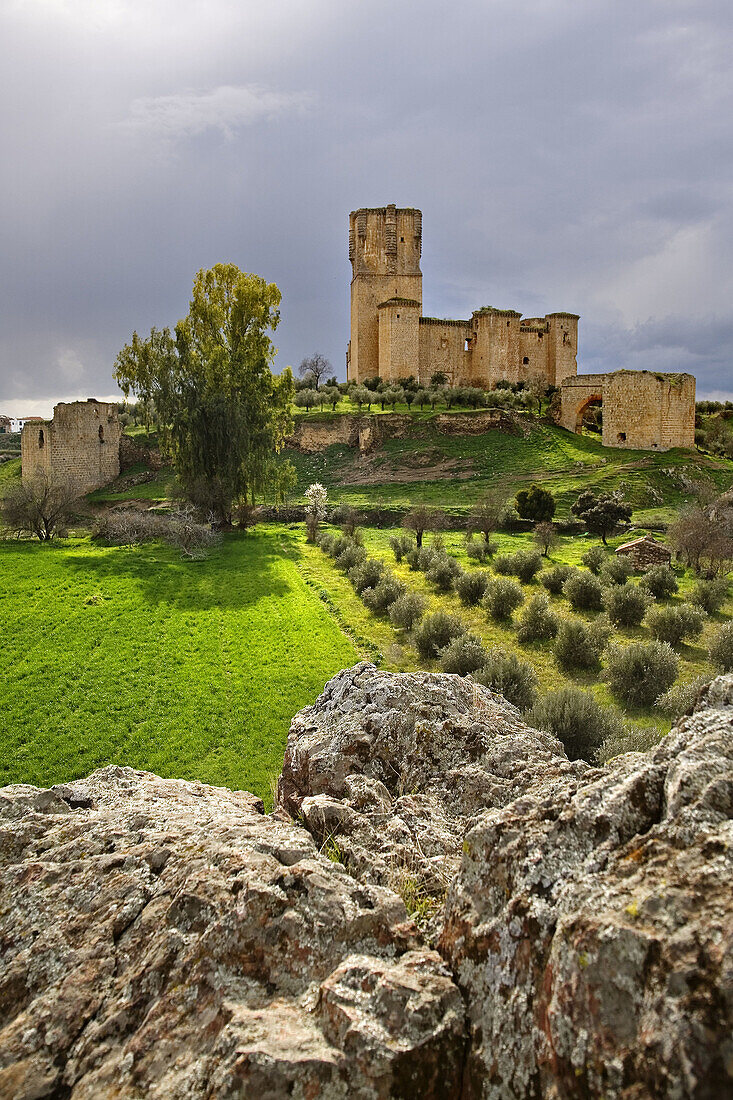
(640, 672)
(401, 545)
(504, 564)
(407, 610)
(443, 572)
(41, 505)
(721, 648)
(594, 559)
(583, 591)
(526, 564)
(471, 586)
(579, 645)
(339, 544)
(502, 597)
(380, 598)
(325, 541)
(626, 604)
(538, 621)
(554, 579)
(349, 557)
(675, 624)
(628, 739)
(660, 581)
(710, 595)
(193, 539)
(420, 560)
(479, 550)
(128, 528)
(366, 575)
(437, 631)
(505, 673)
(577, 719)
(615, 571)
(463, 655)
(681, 698)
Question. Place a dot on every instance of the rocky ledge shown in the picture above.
(441, 905)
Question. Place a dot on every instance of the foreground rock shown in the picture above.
(165, 939)
(590, 923)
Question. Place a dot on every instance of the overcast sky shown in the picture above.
(566, 154)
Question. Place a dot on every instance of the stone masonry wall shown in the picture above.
(642, 410)
(80, 446)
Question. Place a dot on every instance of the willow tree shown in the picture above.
(222, 414)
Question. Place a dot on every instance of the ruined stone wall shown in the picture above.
(648, 411)
(642, 410)
(534, 349)
(399, 339)
(80, 446)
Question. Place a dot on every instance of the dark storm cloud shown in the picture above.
(567, 154)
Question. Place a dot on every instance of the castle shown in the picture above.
(391, 339)
(80, 446)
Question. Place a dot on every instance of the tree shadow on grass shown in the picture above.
(238, 574)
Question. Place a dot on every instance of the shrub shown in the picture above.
(526, 564)
(580, 645)
(401, 545)
(710, 595)
(628, 739)
(640, 672)
(380, 598)
(420, 559)
(554, 579)
(407, 610)
(675, 624)
(349, 557)
(193, 539)
(538, 621)
(366, 575)
(626, 604)
(463, 655)
(478, 550)
(42, 506)
(471, 586)
(577, 719)
(325, 541)
(615, 571)
(660, 581)
(511, 677)
(594, 559)
(681, 698)
(535, 503)
(128, 528)
(437, 631)
(504, 564)
(502, 597)
(339, 544)
(443, 572)
(721, 648)
(583, 591)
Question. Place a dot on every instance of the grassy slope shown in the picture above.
(190, 670)
(399, 653)
(565, 463)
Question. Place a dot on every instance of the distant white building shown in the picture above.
(15, 424)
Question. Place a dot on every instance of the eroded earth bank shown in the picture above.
(568, 935)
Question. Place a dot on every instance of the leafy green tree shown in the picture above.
(601, 513)
(222, 414)
(535, 503)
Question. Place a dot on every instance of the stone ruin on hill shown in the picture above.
(166, 939)
(80, 446)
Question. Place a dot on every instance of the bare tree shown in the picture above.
(421, 519)
(545, 536)
(486, 514)
(41, 506)
(315, 366)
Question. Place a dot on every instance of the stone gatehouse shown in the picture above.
(391, 338)
(643, 410)
(80, 446)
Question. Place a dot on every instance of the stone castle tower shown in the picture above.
(391, 338)
(80, 446)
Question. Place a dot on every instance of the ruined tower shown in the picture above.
(384, 249)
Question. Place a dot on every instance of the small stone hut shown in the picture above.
(80, 446)
(645, 552)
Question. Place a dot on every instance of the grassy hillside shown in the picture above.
(131, 656)
(453, 471)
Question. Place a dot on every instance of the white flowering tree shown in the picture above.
(316, 495)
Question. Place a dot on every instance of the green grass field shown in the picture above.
(132, 656)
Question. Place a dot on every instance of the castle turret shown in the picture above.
(562, 349)
(384, 249)
(495, 346)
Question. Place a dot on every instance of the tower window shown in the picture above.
(402, 240)
(526, 360)
(41, 440)
(621, 437)
(101, 434)
(465, 345)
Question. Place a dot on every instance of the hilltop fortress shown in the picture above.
(391, 339)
